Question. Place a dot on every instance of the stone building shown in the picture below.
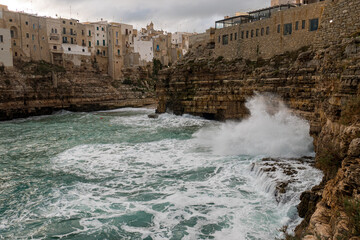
(53, 27)
(162, 48)
(116, 58)
(6, 58)
(268, 32)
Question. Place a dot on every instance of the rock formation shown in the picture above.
(40, 88)
(320, 83)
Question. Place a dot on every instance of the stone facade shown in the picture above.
(340, 18)
(5, 48)
(286, 30)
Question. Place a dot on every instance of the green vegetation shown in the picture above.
(352, 210)
(329, 162)
(351, 112)
(39, 68)
(2, 68)
(157, 66)
(219, 59)
(127, 81)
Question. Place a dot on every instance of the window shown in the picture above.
(12, 33)
(70, 23)
(15, 54)
(82, 32)
(98, 52)
(225, 39)
(10, 20)
(288, 29)
(54, 47)
(89, 33)
(242, 34)
(83, 42)
(267, 30)
(27, 35)
(303, 24)
(55, 30)
(89, 43)
(104, 43)
(14, 43)
(235, 36)
(71, 40)
(157, 48)
(33, 37)
(257, 32)
(117, 41)
(71, 31)
(97, 28)
(83, 50)
(314, 24)
(278, 28)
(117, 34)
(102, 29)
(64, 39)
(262, 31)
(64, 30)
(34, 48)
(26, 23)
(119, 52)
(97, 42)
(297, 25)
(34, 26)
(252, 33)
(247, 34)
(231, 36)
(126, 32)
(63, 22)
(104, 53)
(1, 38)
(69, 49)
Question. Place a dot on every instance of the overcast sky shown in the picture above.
(169, 15)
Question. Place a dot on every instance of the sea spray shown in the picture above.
(271, 130)
(121, 175)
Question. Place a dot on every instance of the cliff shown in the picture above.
(39, 88)
(319, 83)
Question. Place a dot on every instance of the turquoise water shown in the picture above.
(121, 175)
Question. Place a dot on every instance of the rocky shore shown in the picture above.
(321, 84)
(39, 88)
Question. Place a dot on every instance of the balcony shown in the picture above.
(54, 37)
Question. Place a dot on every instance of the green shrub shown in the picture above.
(329, 162)
(157, 66)
(352, 210)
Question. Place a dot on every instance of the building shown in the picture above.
(116, 54)
(53, 27)
(268, 32)
(6, 58)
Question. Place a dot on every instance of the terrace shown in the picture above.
(252, 16)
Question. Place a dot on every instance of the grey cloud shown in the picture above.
(185, 15)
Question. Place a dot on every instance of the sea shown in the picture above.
(122, 175)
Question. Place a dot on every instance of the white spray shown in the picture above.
(271, 130)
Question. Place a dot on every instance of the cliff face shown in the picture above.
(321, 85)
(40, 88)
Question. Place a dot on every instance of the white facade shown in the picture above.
(100, 35)
(75, 49)
(5, 48)
(145, 49)
(176, 38)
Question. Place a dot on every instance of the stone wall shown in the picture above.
(341, 18)
(228, 49)
(264, 38)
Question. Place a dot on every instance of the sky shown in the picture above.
(168, 15)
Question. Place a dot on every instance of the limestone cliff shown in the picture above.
(40, 88)
(320, 84)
